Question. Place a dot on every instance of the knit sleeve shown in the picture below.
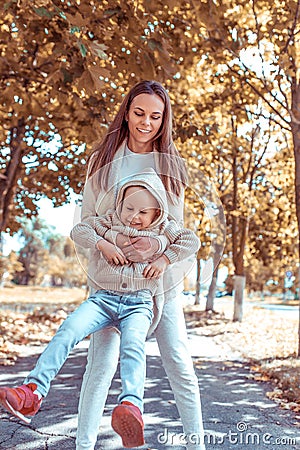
(183, 242)
(88, 232)
(84, 235)
(101, 224)
(175, 207)
(88, 200)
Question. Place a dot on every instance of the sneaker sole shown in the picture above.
(15, 413)
(128, 427)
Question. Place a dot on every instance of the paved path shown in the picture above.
(237, 413)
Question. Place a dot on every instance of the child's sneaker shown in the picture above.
(128, 423)
(21, 401)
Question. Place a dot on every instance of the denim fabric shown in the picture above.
(173, 344)
(131, 313)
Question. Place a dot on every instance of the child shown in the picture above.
(123, 298)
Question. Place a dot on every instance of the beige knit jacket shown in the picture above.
(182, 242)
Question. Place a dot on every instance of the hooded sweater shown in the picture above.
(182, 242)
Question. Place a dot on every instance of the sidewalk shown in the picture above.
(237, 414)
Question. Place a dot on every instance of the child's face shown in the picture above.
(139, 208)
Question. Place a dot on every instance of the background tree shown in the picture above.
(222, 137)
(273, 228)
(48, 258)
(64, 68)
(258, 43)
(9, 265)
(67, 266)
(252, 47)
(33, 254)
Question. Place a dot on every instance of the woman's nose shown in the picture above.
(146, 120)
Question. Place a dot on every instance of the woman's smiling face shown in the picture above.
(144, 121)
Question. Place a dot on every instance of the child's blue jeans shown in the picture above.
(130, 312)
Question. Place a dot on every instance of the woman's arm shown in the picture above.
(89, 198)
(183, 242)
(84, 235)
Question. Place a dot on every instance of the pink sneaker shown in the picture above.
(21, 401)
(127, 421)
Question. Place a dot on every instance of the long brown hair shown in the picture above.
(171, 165)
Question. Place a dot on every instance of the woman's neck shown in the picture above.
(137, 147)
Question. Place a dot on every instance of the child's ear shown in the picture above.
(157, 214)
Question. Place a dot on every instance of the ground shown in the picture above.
(265, 338)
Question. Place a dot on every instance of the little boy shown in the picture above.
(123, 297)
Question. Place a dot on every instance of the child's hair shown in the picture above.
(134, 185)
(130, 186)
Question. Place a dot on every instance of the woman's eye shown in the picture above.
(152, 117)
(129, 209)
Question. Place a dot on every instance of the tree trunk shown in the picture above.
(239, 238)
(239, 271)
(198, 283)
(212, 293)
(295, 126)
(239, 287)
(218, 250)
(8, 180)
(298, 283)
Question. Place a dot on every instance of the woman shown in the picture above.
(140, 137)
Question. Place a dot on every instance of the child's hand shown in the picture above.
(111, 252)
(156, 268)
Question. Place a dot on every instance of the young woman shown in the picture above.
(139, 138)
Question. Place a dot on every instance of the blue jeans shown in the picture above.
(130, 312)
(174, 348)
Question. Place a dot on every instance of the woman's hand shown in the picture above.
(111, 252)
(138, 249)
(156, 268)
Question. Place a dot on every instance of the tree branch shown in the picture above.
(261, 95)
(292, 34)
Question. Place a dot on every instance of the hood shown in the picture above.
(151, 181)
